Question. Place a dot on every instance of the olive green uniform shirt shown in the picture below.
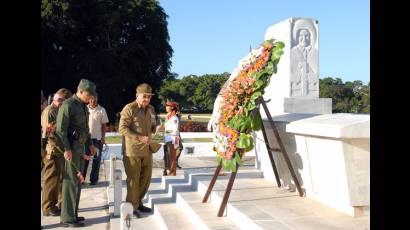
(136, 121)
(72, 122)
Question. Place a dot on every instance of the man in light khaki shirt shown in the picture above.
(137, 123)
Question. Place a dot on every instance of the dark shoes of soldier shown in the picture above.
(164, 173)
(142, 208)
(137, 214)
(93, 183)
(73, 224)
(52, 213)
(179, 167)
(80, 218)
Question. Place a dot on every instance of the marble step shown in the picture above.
(143, 223)
(244, 190)
(202, 215)
(170, 216)
(168, 195)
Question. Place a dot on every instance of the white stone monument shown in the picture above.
(293, 92)
(295, 87)
(329, 152)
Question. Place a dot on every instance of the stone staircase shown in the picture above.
(254, 203)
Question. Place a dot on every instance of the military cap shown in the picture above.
(144, 88)
(63, 92)
(88, 86)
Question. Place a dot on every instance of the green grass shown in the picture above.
(113, 140)
(199, 139)
(203, 120)
(194, 119)
(118, 140)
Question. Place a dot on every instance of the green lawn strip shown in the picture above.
(117, 140)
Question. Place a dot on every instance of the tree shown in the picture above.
(365, 98)
(349, 97)
(192, 90)
(207, 90)
(116, 44)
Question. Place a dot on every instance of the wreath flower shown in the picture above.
(239, 115)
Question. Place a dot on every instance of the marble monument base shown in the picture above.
(308, 105)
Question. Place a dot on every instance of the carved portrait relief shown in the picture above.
(304, 78)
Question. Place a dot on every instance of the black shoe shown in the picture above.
(142, 208)
(73, 224)
(93, 183)
(52, 213)
(80, 218)
(179, 167)
(137, 214)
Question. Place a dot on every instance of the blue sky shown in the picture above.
(210, 36)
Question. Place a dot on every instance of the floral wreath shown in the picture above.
(238, 113)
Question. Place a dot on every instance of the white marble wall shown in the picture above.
(330, 154)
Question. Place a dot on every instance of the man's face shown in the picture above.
(304, 38)
(93, 102)
(143, 99)
(58, 101)
(84, 96)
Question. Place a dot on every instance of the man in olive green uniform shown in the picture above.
(137, 123)
(53, 162)
(72, 129)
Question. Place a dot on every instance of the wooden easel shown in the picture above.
(282, 149)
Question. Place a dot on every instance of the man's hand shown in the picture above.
(93, 150)
(51, 128)
(80, 177)
(86, 157)
(68, 155)
(144, 139)
(159, 128)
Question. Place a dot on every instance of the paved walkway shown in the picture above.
(93, 206)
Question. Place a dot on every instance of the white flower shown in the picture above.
(250, 58)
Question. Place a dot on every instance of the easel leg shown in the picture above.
(282, 147)
(272, 162)
(227, 193)
(211, 185)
